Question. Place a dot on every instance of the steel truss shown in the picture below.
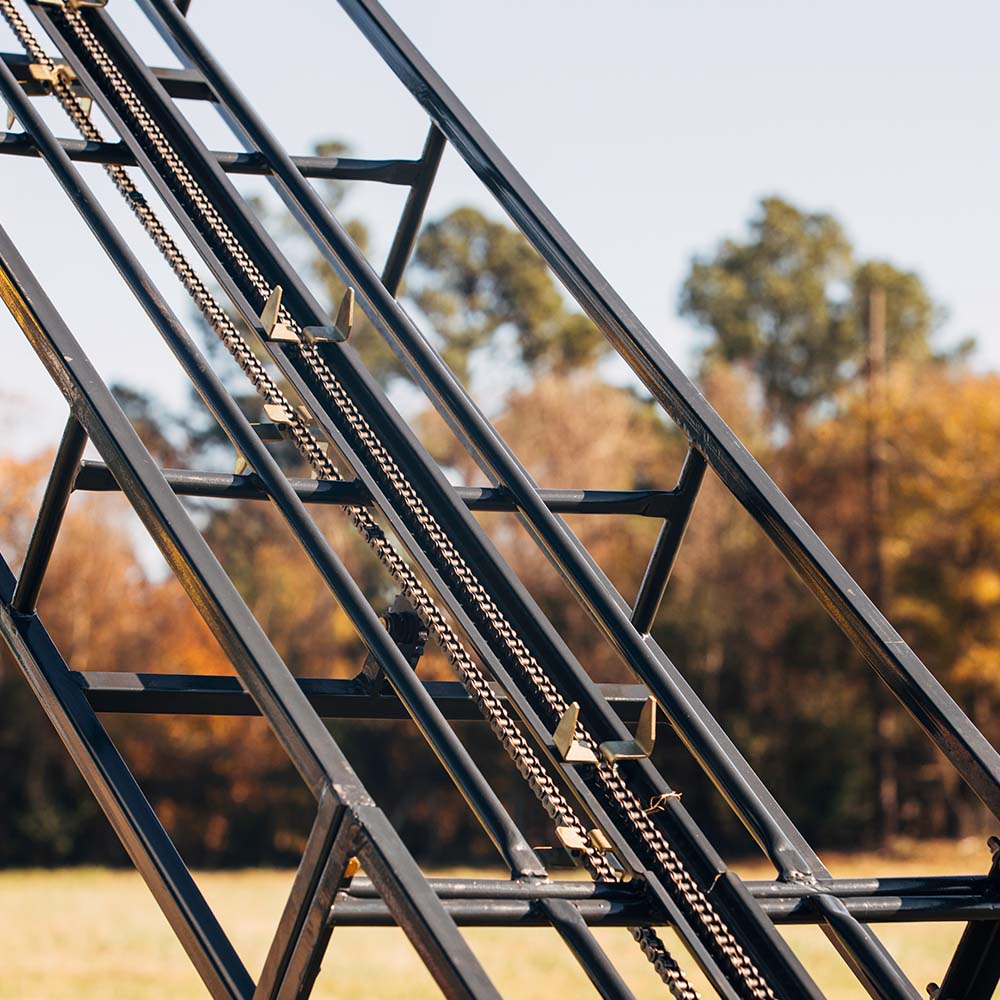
(651, 866)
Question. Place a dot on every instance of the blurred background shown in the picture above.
(800, 203)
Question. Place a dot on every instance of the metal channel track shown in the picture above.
(649, 833)
(172, 156)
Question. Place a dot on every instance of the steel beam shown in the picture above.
(50, 516)
(205, 694)
(399, 172)
(95, 477)
(179, 83)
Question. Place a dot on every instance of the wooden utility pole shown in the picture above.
(877, 502)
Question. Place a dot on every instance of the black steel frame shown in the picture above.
(347, 823)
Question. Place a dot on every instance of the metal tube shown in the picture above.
(205, 694)
(398, 172)
(572, 928)
(661, 562)
(413, 211)
(179, 83)
(50, 517)
(349, 910)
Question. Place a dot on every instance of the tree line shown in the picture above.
(786, 356)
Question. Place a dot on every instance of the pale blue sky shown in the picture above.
(649, 128)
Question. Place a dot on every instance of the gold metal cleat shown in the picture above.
(571, 839)
(598, 840)
(74, 4)
(645, 736)
(572, 750)
(278, 413)
(50, 75)
(241, 467)
(274, 330)
(341, 329)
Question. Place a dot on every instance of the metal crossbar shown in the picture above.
(613, 812)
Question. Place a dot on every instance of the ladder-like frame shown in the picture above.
(348, 826)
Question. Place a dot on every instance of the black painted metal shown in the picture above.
(202, 694)
(473, 911)
(179, 83)
(974, 970)
(413, 211)
(50, 515)
(347, 822)
(668, 543)
(400, 172)
(93, 476)
(899, 667)
(112, 784)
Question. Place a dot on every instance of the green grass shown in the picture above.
(91, 933)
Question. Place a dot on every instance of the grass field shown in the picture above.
(91, 933)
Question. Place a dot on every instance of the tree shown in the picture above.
(476, 279)
(790, 302)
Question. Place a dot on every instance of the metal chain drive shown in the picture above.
(313, 451)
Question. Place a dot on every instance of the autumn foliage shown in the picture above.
(736, 621)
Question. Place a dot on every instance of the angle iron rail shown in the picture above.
(399, 172)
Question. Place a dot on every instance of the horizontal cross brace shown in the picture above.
(402, 172)
(187, 84)
(349, 910)
(972, 889)
(204, 694)
(95, 477)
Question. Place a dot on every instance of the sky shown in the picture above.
(650, 129)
